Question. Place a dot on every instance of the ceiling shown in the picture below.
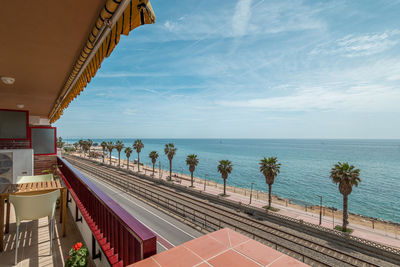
(39, 43)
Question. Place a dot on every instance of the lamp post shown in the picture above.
(159, 170)
(205, 181)
(320, 209)
(251, 191)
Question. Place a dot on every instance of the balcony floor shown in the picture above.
(34, 245)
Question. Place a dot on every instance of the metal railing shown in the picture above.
(129, 240)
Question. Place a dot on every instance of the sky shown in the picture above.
(249, 69)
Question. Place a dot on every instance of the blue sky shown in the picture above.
(249, 69)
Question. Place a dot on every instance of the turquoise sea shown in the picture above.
(305, 168)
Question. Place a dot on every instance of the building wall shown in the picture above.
(45, 162)
(40, 163)
(14, 144)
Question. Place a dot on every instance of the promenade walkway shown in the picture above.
(384, 237)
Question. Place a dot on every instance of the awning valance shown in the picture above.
(137, 12)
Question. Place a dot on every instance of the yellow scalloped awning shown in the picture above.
(138, 12)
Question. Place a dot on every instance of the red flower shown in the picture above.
(77, 246)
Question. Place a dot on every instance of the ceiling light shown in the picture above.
(8, 80)
(20, 105)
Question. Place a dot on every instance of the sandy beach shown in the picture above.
(365, 227)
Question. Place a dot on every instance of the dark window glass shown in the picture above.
(43, 140)
(12, 124)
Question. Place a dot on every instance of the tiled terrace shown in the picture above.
(221, 248)
(34, 245)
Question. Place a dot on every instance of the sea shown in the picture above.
(305, 168)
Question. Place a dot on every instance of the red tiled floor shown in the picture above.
(232, 259)
(178, 256)
(287, 261)
(258, 252)
(205, 246)
(219, 249)
(229, 237)
(149, 262)
(236, 238)
(203, 265)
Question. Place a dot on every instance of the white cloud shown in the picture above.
(170, 26)
(129, 111)
(360, 45)
(241, 17)
(261, 18)
(357, 98)
(122, 74)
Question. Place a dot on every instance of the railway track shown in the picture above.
(307, 248)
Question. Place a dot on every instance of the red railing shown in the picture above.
(123, 239)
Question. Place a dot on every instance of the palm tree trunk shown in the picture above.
(127, 163)
(119, 159)
(224, 187)
(345, 215)
(103, 156)
(153, 169)
(138, 162)
(170, 170)
(191, 180)
(110, 158)
(269, 195)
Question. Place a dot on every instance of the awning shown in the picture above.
(137, 12)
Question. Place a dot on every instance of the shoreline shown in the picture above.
(281, 203)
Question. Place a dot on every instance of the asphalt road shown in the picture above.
(170, 232)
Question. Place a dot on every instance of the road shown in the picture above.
(170, 232)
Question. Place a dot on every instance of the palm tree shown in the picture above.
(138, 145)
(119, 146)
(85, 147)
(346, 176)
(270, 168)
(60, 142)
(76, 145)
(89, 143)
(104, 146)
(153, 155)
(128, 151)
(81, 143)
(225, 168)
(110, 147)
(192, 161)
(170, 151)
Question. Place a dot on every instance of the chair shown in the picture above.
(34, 207)
(35, 178)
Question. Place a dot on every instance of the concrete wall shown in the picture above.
(86, 233)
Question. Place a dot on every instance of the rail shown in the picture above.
(210, 222)
(123, 239)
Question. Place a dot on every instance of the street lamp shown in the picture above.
(205, 181)
(159, 170)
(320, 209)
(251, 191)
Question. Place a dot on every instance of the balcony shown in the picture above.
(34, 245)
(112, 235)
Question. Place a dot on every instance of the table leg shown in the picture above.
(8, 216)
(61, 205)
(64, 210)
(1, 223)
